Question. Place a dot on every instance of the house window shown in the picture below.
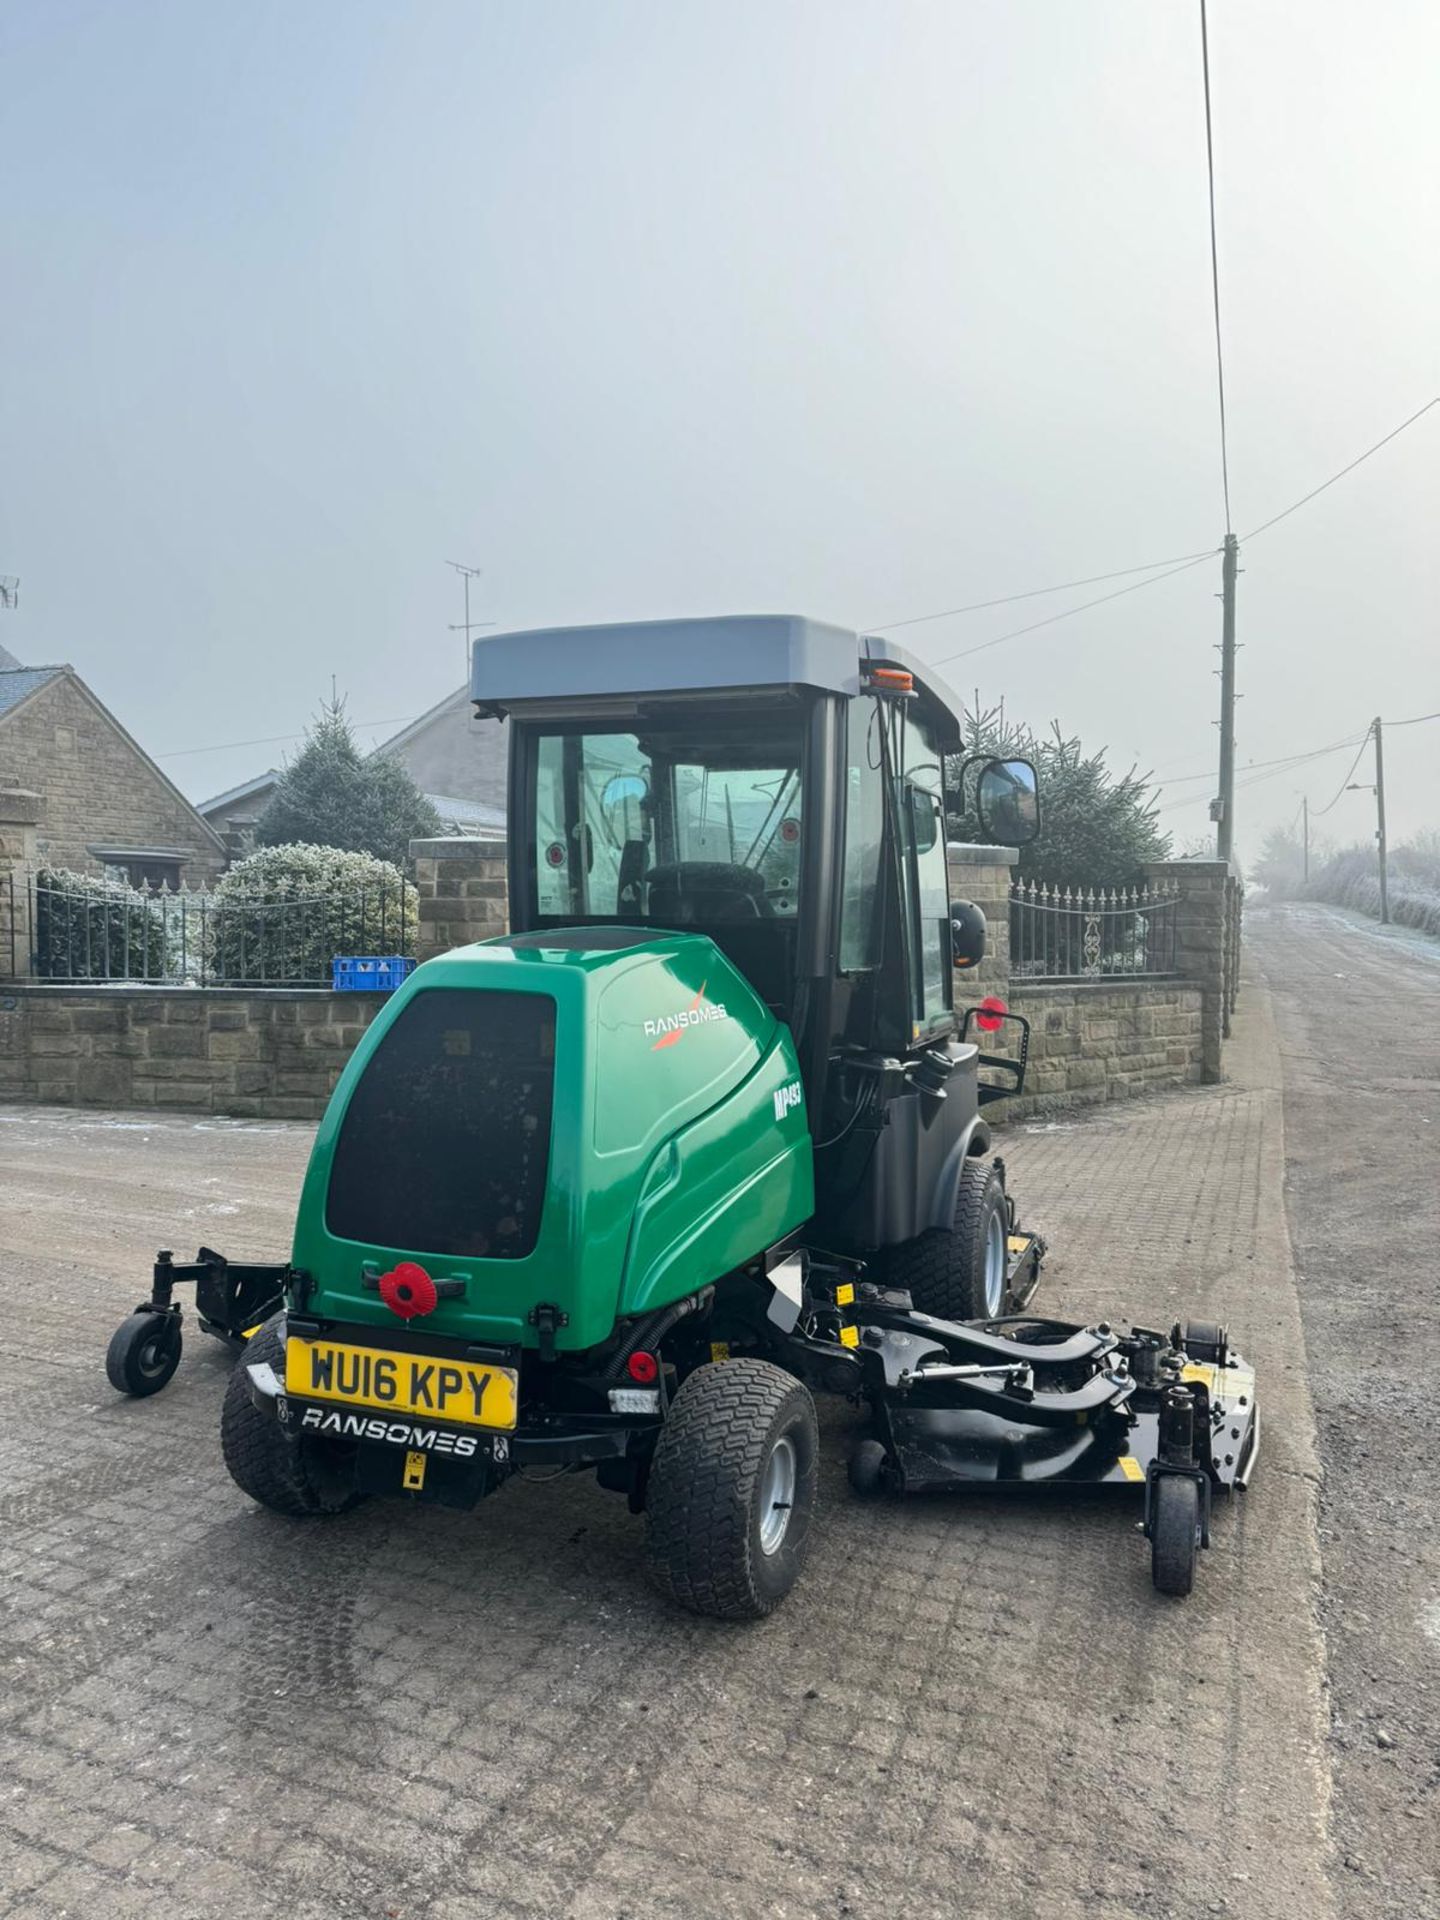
(147, 868)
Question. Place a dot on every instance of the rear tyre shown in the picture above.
(144, 1352)
(1174, 1534)
(732, 1490)
(297, 1478)
(960, 1272)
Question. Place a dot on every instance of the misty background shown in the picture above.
(856, 310)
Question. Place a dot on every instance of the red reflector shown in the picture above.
(989, 1015)
(408, 1290)
(643, 1368)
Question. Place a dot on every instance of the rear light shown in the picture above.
(643, 1369)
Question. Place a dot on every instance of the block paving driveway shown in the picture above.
(410, 1714)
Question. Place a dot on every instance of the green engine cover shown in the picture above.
(600, 1128)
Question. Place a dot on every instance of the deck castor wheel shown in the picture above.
(144, 1352)
(1206, 1342)
(1175, 1527)
(871, 1471)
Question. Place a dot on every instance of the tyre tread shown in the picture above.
(943, 1269)
(710, 1450)
(260, 1460)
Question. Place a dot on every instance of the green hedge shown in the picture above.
(281, 916)
(87, 928)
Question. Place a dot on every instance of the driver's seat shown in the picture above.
(693, 893)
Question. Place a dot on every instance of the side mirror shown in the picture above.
(1007, 799)
(924, 811)
(967, 934)
(622, 787)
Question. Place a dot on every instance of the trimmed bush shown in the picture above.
(87, 928)
(280, 916)
(1349, 879)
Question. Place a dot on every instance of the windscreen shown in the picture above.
(695, 824)
(446, 1141)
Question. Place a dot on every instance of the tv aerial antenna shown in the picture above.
(467, 626)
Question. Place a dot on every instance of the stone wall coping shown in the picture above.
(456, 847)
(964, 853)
(137, 990)
(19, 807)
(1132, 983)
(1206, 866)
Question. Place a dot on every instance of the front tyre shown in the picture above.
(296, 1478)
(732, 1490)
(961, 1272)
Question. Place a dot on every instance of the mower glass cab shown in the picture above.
(796, 818)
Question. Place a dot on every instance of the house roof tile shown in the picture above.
(18, 683)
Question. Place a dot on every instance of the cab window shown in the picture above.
(921, 812)
(687, 825)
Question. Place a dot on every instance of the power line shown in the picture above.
(1068, 612)
(277, 739)
(1264, 770)
(1254, 766)
(1260, 770)
(1344, 470)
(1176, 565)
(1035, 593)
(1346, 781)
(1215, 261)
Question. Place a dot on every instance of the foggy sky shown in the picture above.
(859, 310)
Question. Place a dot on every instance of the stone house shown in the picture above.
(453, 755)
(104, 804)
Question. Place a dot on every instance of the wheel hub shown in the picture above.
(777, 1496)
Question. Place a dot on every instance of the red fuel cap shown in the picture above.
(408, 1290)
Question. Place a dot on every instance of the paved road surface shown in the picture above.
(1358, 1013)
(409, 1714)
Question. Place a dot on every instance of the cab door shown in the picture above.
(918, 810)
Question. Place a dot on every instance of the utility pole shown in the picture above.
(1377, 727)
(1380, 823)
(1225, 805)
(1305, 842)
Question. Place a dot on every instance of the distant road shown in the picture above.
(1357, 1008)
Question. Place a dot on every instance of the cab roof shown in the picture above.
(548, 669)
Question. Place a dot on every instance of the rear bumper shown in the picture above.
(563, 1440)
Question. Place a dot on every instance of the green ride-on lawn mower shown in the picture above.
(700, 1134)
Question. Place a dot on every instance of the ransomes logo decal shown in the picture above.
(670, 1028)
(398, 1433)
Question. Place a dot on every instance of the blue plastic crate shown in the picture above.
(369, 973)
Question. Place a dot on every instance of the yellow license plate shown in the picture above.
(465, 1393)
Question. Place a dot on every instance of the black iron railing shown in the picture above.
(11, 933)
(1065, 933)
(104, 931)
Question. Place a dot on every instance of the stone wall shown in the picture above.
(96, 786)
(982, 875)
(1106, 1041)
(1207, 941)
(463, 894)
(276, 1053)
